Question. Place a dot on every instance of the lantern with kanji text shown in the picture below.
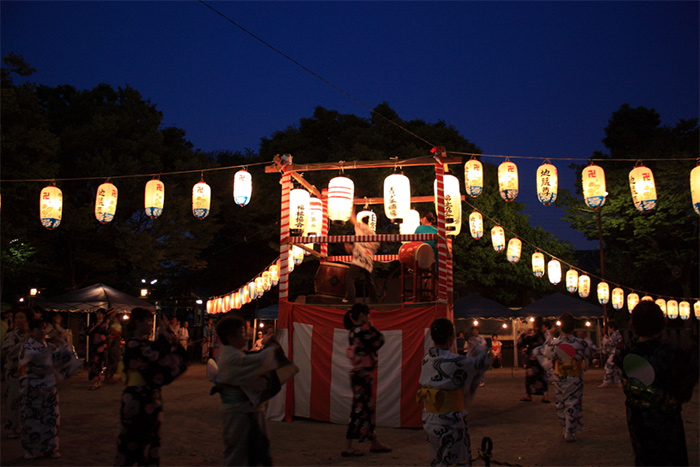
(154, 198)
(508, 184)
(201, 199)
(672, 309)
(106, 202)
(554, 271)
(684, 310)
(498, 238)
(372, 219)
(397, 197)
(593, 183)
(515, 247)
(476, 225)
(618, 298)
(453, 204)
(298, 206)
(473, 177)
(695, 188)
(547, 183)
(571, 280)
(242, 187)
(584, 286)
(632, 301)
(643, 188)
(51, 206)
(603, 291)
(538, 264)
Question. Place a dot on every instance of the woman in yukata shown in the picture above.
(11, 346)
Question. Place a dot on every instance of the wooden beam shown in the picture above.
(348, 165)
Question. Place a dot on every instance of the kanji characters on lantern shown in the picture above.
(397, 197)
(508, 184)
(154, 198)
(51, 206)
(476, 225)
(201, 199)
(242, 187)
(473, 177)
(106, 202)
(593, 183)
(643, 188)
(547, 183)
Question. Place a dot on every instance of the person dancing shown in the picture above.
(535, 375)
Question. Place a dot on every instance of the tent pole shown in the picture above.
(87, 340)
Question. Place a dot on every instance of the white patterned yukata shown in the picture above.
(448, 382)
(610, 344)
(11, 346)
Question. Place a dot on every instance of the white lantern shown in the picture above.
(341, 193)
(661, 303)
(227, 303)
(410, 223)
(372, 219)
(314, 217)
(242, 187)
(554, 271)
(298, 205)
(201, 200)
(259, 286)
(473, 177)
(695, 188)
(297, 254)
(244, 293)
(618, 298)
(106, 202)
(397, 197)
(571, 280)
(210, 306)
(453, 204)
(632, 301)
(237, 300)
(51, 206)
(498, 238)
(274, 274)
(252, 290)
(476, 225)
(593, 183)
(538, 264)
(603, 290)
(154, 198)
(643, 188)
(684, 310)
(515, 247)
(672, 309)
(584, 286)
(267, 280)
(508, 180)
(696, 309)
(547, 183)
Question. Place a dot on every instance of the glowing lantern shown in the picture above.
(498, 238)
(252, 290)
(547, 183)
(227, 303)
(643, 188)
(154, 198)
(453, 204)
(508, 180)
(341, 192)
(298, 204)
(274, 274)
(672, 309)
(695, 188)
(584, 286)
(473, 177)
(696, 309)
(237, 300)
(201, 200)
(297, 254)
(220, 305)
(410, 223)
(267, 280)
(554, 271)
(476, 225)
(632, 301)
(397, 197)
(571, 280)
(106, 202)
(618, 298)
(373, 219)
(661, 303)
(593, 183)
(684, 310)
(538, 264)
(209, 307)
(515, 247)
(314, 217)
(647, 298)
(242, 187)
(51, 206)
(259, 286)
(603, 293)
(245, 295)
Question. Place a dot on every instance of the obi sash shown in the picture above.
(572, 368)
(440, 401)
(131, 377)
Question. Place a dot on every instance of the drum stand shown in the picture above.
(417, 285)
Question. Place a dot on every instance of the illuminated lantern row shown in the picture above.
(547, 183)
(201, 200)
(51, 206)
(603, 291)
(397, 197)
(515, 247)
(618, 298)
(643, 188)
(242, 187)
(474, 177)
(508, 180)
(453, 204)
(672, 309)
(106, 202)
(632, 301)
(154, 198)
(572, 280)
(593, 183)
(554, 271)
(252, 290)
(341, 193)
(695, 188)
(498, 238)
(584, 286)
(298, 205)
(476, 225)
(684, 310)
(538, 264)
(661, 303)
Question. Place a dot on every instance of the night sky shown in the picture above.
(519, 79)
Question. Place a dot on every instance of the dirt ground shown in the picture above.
(525, 433)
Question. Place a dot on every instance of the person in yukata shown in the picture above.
(568, 355)
(45, 366)
(612, 341)
(98, 338)
(11, 347)
(535, 374)
(476, 345)
(147, 367)
(657, 379)
(448, 383)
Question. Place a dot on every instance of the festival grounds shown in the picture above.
(525, 433)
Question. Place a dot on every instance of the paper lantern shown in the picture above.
(410, 223)
(547, 183)
(242, 187)
(473, 177)
(476, 225)
(245, 295)
(684, 310)
(237, 300)
(498, 238)
(220, 305)
(661, 303)
(554, 271)
(632, 301)
(453, 204)
(397, 197)
(298, 205)
(584, 286)
(618, 298)
(51, 206)
(341, 193)
(696, 309)
(297, 254)
(593, 183)
(643, 188)
(603, 291)
(515, 247)
(259, 286)
(508, 180)
(201, 200)
(571, 280)
(538, 264)
(672, 309)
(372, 219)
(154, 198)
(106, 202)
(252, 290)
(267, 280)
(695, 188)
(227, 303)
(210, 306)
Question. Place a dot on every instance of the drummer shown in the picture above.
(362, 262)
(427, 226)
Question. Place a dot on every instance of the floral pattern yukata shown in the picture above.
(446, 430)
(11, 346)
(98, 350)
(535, 374)
(365, 341)
(148, 366)
(610, 345)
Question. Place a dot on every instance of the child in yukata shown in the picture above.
(657, 379)
(448, 382)
(568, 355)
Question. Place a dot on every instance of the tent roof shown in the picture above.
(557, 303)
(269, 312)
(474, 306)
(93, 297)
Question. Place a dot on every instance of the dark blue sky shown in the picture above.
(536, 79)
